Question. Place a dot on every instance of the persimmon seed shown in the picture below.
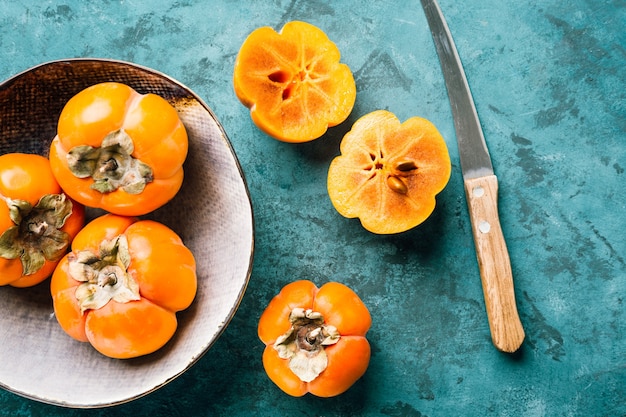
(406, 166)
(397, 185)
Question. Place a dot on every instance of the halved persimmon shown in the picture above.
(389, 173)
(293, 82)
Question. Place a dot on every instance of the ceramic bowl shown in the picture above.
(212, 213)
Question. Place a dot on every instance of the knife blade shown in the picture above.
(481, 191)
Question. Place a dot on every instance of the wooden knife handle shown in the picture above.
(507, 332)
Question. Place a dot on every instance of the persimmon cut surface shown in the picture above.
(315, 338)
(389, 173)
(119, 150)
(37, 220)
(122, 285)
(293, 82)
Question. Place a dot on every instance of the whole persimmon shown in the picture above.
(122, 284)
(37, 220)
(315, 338)
(119, 150)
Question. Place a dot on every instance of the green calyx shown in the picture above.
(111, 166)
(303, 344)
(36, 235)
(103, 277)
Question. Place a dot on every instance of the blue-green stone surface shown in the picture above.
(549, 82)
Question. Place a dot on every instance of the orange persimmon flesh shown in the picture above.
(389, 173)
(293, 82)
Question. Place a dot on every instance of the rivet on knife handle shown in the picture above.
(481, 189)
(507, 332)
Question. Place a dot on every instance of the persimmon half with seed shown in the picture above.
(389, 173)
(292, 82)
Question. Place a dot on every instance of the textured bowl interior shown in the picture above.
(212, 214)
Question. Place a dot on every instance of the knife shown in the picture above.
(481, 191)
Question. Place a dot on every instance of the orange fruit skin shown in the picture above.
(371, 152)
(293, 82)
(348, 359)
(28, 177)
(159, 138)
(163, 267)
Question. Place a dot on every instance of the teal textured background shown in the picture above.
(549, 83)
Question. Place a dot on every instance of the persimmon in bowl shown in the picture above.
(40, 361)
